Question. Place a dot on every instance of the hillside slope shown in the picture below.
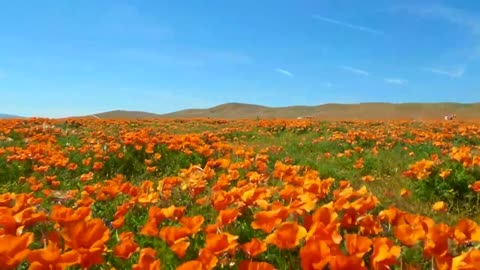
(337, 111)
(121, 114)
(8, 116)
(361, 111)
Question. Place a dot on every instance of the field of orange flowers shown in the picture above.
(252, 194)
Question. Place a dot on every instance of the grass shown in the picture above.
(386, 166)
(148, 177)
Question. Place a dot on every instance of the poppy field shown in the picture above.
(239, 194)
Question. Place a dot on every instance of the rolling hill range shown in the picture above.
(8, 116)
(120, 114)
(361, 111)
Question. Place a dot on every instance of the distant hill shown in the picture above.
(227, 110)
(336, 111)
(360, 111)
(8, 116)
(120, 114)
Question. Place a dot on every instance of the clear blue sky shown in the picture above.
(62, 58)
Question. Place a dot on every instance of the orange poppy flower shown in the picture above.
(86, 177)
(251, 265)
(172, 212)
(437, 239)
(202, 200)
(368, 178)
(14, 249)
(6, 199)
(358, 163)
(180, 247)
(88, 238)
(85, 200)
(221, 243)
(475, 186)
(29, 216)
(404, 192)
(307, 202)
(439, 206)
(357, 245)
(8, 223)
(369, 225)
(254, 248)
(118, 223)
(190, 265)
(444, 262)
(212, 228)
(384, 254)
(148, 260)
(467, 260)
(268, 220)
(97, 166)
(445, 173)
(51, 257)
(65, 215)
(289, 192)
(390, 215)
(287, 235)
(466, 230)
(171, 234)
(325, 214)
(343, 262)
(194, 224)
(410, 234)
(315, 255)
(126, 247)
(150, 228)
(263, 204)
(328, 233)
(207, 258)
(227, 216)
(221, 200)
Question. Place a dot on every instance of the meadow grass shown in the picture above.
(139, 175)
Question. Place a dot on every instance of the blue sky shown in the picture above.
(63, 58)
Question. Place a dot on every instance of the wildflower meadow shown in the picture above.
(239, 194)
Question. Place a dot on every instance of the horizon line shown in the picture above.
(6, 116)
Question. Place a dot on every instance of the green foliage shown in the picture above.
(330, 148)
(455, 189)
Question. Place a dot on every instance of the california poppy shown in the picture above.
(254, 247)
(287, 235)
(88, 238)
(252, 265)
(147, 260)
(51, 257)
(14, 249)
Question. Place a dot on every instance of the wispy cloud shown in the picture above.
(328, 85)
(452, 73)
(284, 72)
(450, 14)
(349, 25)
(455, 16)
(355, 70)
(396, 81)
